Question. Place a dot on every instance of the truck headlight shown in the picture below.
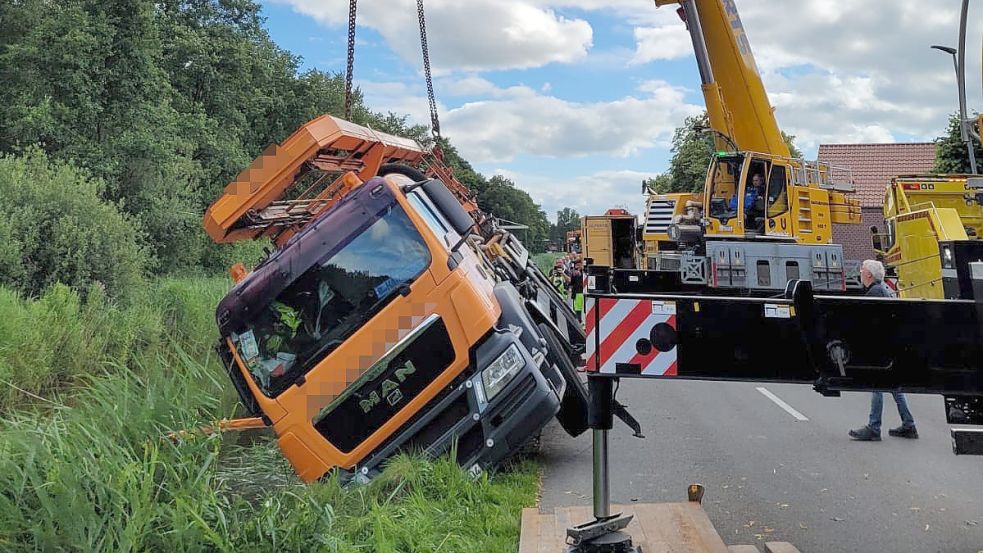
(947, 258)
(501, 371)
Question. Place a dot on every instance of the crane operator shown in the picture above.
(751, 195)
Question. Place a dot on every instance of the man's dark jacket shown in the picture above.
(880, 290)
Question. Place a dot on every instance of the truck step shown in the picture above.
(742, 549)
(780, 547)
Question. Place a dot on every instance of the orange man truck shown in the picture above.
(393, 314)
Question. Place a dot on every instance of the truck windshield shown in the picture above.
(330, 300)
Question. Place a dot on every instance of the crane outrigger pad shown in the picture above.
(677, 527)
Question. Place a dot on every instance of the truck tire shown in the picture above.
(573, 407)
(405, 170)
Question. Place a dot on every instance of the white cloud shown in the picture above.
(661, 43)
(469, 86)
(473, 35)
(852, 72)
(498, 130)
(478, 86)
(844, 72)
(589, 194)
(400, 98)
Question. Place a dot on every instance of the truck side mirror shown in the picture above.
(875, 239)
(449, 206)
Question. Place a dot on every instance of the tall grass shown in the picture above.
(89, 470)
(58, 338)
(98, 477)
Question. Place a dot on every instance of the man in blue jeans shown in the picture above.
(872, 277)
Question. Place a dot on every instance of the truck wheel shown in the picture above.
(532, 447)
(405, 170)
(573, 407)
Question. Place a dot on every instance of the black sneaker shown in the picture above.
(865, 434)
(904, 432)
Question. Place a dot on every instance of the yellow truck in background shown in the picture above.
(661, 212)
(611, 240)
(933, 225)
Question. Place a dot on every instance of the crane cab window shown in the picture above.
(777, 192)
(723, 187)
(754, 196)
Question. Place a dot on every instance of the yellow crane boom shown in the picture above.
(736, 100)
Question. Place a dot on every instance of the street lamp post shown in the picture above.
(959, 63)
(963, 135)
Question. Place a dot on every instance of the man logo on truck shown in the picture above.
(388, 389)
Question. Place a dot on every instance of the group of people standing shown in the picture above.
(567, 276)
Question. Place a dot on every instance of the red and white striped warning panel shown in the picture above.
(631, 336)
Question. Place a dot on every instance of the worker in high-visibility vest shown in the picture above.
(576, 275)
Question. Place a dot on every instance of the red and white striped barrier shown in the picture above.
(631, 336)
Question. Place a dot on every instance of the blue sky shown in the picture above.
(576, 100)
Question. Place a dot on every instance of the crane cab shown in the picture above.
(749, 197)
(766, 220)
(761, 196)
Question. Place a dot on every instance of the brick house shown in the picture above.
(872, 166)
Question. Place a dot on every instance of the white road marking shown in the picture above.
(778, 401)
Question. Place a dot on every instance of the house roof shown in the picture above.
(873, 165)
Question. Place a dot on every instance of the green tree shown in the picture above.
(500, 197)
(691, 152)
(57, 228)
(692, 149)
(951, 154)
(790, 142)
(567, 219)
(164, 101)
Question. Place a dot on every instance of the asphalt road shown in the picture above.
(772, 477)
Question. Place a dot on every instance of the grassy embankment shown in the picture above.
(545, 260)
(89, 387)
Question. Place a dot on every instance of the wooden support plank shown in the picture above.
(658, 528)
(531, 532)
(780, 547)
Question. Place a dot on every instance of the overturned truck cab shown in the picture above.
(388, 322)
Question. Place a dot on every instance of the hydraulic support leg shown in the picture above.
(604, 533)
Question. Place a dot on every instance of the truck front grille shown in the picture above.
(359, 412)
(441, 424)
(519, 394)
(659, 216)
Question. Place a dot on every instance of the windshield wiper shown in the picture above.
(321, 351)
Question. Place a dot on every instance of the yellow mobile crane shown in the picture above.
(933, 224)
(763, 217)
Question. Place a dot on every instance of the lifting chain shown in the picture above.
(434, 123)
(352, 5)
